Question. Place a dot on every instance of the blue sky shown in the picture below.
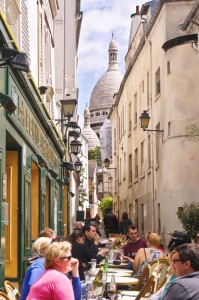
(101, 18)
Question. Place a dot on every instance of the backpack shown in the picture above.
(178, 238)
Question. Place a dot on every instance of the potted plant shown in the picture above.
(189, 217)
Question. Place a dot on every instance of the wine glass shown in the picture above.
(121, 254)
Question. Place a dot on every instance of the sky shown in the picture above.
(101, 18)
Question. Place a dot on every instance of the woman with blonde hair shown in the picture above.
(36, 265)
(145, 255)
(53, 284)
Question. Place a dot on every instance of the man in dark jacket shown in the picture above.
(185, 262)
(110, 222)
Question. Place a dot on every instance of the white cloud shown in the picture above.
(101, 18)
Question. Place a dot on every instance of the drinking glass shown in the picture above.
(121, 254)
(93, 263)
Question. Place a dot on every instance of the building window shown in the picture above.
(142, 218)
(159, 220)
(148, 96)
(168, 67)
(135, 109)
(136, 212)
(142, 86)
(158, 146)
(124, 170)
(149, 152)
(97, 113)
(130, 123)
(157, 82)
(169, 128)
(104, 113)
(114, 139)
(136, 163)
(142, 158)
(92, 115)
(130, 168)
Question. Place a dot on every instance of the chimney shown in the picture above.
(137, 10)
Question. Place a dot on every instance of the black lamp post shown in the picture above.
(75, 146)
(78, 166)
(144, 119)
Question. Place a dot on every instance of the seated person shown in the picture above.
(145, 255)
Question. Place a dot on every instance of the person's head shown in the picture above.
(95, 224)
(76, 236)
(185, 259)
(89, 231)
(77, 225)
(40, 245)
(60, 238)
(47, 232)
(58, 256)
(124, 216)
(153, 239)
(132, 233)
(108, 209)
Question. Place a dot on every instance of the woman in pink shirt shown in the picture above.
(53, 284)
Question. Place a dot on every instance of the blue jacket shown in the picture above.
(35, 270)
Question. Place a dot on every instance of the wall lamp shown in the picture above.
(71, 194)
(68, 107)
(7, 103)
(144, 119)
(42, 89)
(18, 60)
(41, 161)
(53, 173)
(78, 166)
(67, 165)
(107, 164)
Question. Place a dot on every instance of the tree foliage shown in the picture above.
(106, 202)
(189, 217)
(95, 155)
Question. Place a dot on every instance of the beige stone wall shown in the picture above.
(153, 197)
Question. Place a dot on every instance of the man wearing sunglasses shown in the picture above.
(185, 262)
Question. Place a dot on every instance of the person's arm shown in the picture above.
(176, 292)
(136, 262)
(35, 274)
(76, 283)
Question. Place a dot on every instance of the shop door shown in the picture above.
(11, 230)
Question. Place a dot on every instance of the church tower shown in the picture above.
(102, 96)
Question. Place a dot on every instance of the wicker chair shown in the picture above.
(11, 291)
(3, 296)
(148, 289)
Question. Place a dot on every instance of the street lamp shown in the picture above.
(18, 60)
(144, 119)
(78, 166)
(107, 164)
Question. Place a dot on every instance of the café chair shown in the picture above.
(165, 272)
(3, 296)
(11, 291)
(148, 289)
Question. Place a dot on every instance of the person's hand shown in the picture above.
(128, 258)
(103, 252)
(75, 267)
(96, 239)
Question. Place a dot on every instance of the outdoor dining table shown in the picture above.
(121, 280)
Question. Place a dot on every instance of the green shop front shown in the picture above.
(31, 152)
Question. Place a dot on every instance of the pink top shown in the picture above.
(51, 285)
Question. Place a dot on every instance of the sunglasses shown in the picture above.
(175, 260)
(66, 257)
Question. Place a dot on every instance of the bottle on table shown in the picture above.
(105, 268)
(98, 283)
(111, 288)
